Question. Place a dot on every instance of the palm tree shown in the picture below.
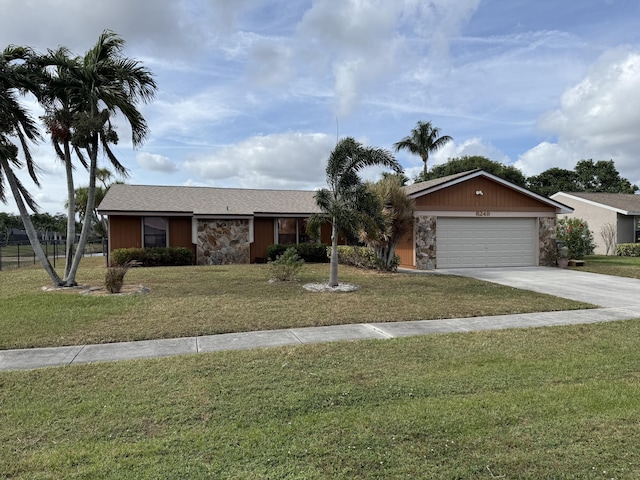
(98, 86)
(424, 139)
(17, 74)
(397, 214)
(59, 124)
(347, 203)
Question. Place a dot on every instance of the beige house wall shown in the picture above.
(596, 217)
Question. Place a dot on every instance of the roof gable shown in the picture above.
(425, 188)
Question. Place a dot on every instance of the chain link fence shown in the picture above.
(20, 254)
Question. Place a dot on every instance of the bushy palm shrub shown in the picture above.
(114, 278)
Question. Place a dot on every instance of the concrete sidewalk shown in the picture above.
(56, 356)
(618, 295)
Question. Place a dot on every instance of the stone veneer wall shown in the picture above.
(425, 228)
(223, 242)
(547, 241)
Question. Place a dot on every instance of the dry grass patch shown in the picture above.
(186, 301)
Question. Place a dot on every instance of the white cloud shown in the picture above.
(353, 42)
(599, 119)
(289, 160)
(155, 162)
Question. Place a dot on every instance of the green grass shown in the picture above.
(188, 301)
(537, 403)
(612, 265)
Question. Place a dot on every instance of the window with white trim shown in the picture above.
(155, 232)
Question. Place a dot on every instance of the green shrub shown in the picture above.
(309, 252)
(361, 257)
(575, 233)
(286, 267)
(154, 257)
(628, 249)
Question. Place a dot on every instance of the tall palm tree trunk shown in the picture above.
(28, 224)
(333, 272)
(71, 210)
(70, 280)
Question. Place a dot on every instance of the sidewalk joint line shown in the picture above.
(76, 355)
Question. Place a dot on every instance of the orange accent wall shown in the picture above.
(406, 250)
(325, 234)
(180, 232)
(125, 232)
(494, 197)
(262, 238)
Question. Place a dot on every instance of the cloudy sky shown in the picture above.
(254, 93)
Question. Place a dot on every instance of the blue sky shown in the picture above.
(254, 93)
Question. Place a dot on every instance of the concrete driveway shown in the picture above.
(602, 290)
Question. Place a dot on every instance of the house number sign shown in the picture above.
(483, 213)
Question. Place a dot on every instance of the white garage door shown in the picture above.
(486, 242)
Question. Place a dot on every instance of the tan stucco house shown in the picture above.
(472, 219)
(618, 211)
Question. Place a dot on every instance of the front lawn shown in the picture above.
(556, 402)
(189, 301)
(612, 265)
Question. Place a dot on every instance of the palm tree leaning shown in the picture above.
(98, 86)
(17, 75)
(424, 139)
(347, 204)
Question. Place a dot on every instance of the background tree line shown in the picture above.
(587, 176)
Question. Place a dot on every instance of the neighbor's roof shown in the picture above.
(123, 199)
(625, 203)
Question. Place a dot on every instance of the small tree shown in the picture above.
(608, 234)
(347, 204)
(575, 233)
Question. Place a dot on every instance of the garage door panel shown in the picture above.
(485, 242)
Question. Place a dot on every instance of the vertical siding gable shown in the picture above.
(495, 196)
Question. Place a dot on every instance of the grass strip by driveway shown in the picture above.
(189, 301)
(536, 403)
(612, 265)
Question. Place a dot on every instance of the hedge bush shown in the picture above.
(628, 249)
(154, 257)
(309, 252)
(361, 257)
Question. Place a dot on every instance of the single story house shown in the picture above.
(618, 213)
(472, 219)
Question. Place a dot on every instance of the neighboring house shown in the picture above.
(601, 211)
(472, 219)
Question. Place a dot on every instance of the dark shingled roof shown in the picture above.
(627, 203)
(123, 198)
